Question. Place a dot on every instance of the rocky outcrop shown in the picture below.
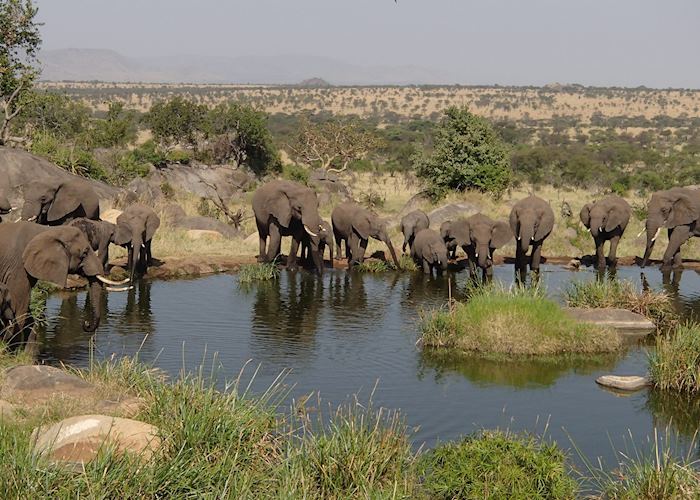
(627, 323)
(39, 383)
(623, 383)
(204, 234)
(174, 215)
(328, 186)
(78, 440)
(196, 179)
(451, 211)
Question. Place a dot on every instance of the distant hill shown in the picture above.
(313, 83)
(110, 66)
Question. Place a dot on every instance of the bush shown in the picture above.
(117, 129)
(258, 272)
(176, 121)
(295, 173)
(517, 322)
(675, 364)
(468, 154)
(180, 156)
(70, 157)
(495, 464)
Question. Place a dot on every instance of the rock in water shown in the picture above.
(77, 440)
(623, 383)
(37, 383)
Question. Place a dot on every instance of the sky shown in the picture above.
(510, 42)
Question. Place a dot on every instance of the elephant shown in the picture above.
(411, 224)
(531, 220)
(323, 240)
(455, 235)
(429, 251)
(678, 210)
(286, 208)
(55, 204)
(606, 219)
(5, 207)
(34, 252)
(7, 314)
(135, 229)
(100, 234)
(354, 225)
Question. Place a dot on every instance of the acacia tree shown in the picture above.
(19, 44)
(333, 144)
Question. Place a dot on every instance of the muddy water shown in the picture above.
(344, 333)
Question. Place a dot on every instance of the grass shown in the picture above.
(675, 364)
(374, 266)
(512, 322)
(250, 273)
(623, 294)
(495, 464)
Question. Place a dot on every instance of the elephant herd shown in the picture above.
(286, 208)
(60, 233)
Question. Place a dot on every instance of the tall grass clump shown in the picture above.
(652, 304)
(496, 464)
(374, 266)
(675, 364)
(512, 322)
(250, 273)
(657, 473)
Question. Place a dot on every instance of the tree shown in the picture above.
(19, 44)
(333, 144)
(467, 154)
(176, 121)
(117, 129)
(54, 114)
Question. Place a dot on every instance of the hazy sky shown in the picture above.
(593, 42)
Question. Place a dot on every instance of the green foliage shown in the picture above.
(374, 266)
(675, 364)
(167, 189)
(295, 173)
(494, 464)
(73, 158)
(54, 114)
(118, 129)
(250, 273)
(176, 121)
(512, 322)
(372, 200)
(467, 154)
(129, 166)
(37, 301)
(180, 156)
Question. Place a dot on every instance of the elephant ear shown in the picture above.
(362, 225)
(546, 224)
(616, 217)
(152, 224)
(281, 209)
(586, 215)
(500, 234)
(46, 258)
(67, 200)
(684, 211)
(122, 233)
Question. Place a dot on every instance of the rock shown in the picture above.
(322, 175)
(627, 323)
(623, 383)
(126, 407)
(195, 178)
(570, 233)
(7, 410)
(253, 238)
(573, 265)
(77, 440)
(207, 224)
(413, 203)
(204, 234)
(451, 211)
(110, 215)
(38, 383)
(172, 214)
(145, 190)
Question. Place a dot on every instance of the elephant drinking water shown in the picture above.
(135, 229)
(531, 220)
(607, 220)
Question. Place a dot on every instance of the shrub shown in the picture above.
(675, 364)
(117, 129)
(467, 154)
(516, 322)
(494, 464)
(295, 173)
(70, 157)
(258, 272)
(176, 121)
(374, 266)
(180, 156)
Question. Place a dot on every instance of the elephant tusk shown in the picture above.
(476, 255)
(310, 231)
(519, 238)
(31, 219)
(110, 282)
(143, 245)
(13, 209)
(600, 229)
(656, 235)
(532, 238)
(641, 232)
(120, 289)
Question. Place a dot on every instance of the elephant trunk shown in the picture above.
(652, 231)
(482, 256)
(526, 236)
(330, 249)
(317, 258)
(95, 294)
(393, 253)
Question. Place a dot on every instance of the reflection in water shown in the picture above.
(678, 412)
(136, 311)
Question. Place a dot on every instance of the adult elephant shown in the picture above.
(677, 210)
(323, 240)
(33, 252)
(286, 208)
(100, 234)
(479, 236)
(54, 204)
(606, 219)
(354, 225)
(429, 251)
(135, 229)
(531, 220)
(411, 224)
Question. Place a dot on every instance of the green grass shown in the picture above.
(494, 464)
(37, 300)
(654, 305)
(516, 322)
(250, 273)
(374, 266)
(675, 364)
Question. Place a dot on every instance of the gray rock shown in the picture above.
(172, 214)
(452, 211)
(197, 178)
(322, 175)
(416, 201)
(7, 410)
(36, 383)
(77, 440)
(627, 323)
(570, 233)
(623, 383)
(124, 407)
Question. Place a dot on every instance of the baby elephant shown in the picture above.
(411, 224)
(99, 233)
(429, 251)
(485, 236)
(323, 239)
(606, 219)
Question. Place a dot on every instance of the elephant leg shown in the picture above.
(679, 236)
(520, 264)
(599, 252)
(262, 235)
(426, 267)
(273, 250)
(292, 259)
(362, 248)
(149, 255)
(403, 247)
(130, 257)
(536, 256)
(612, 254)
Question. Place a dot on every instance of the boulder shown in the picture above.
(570, 233)
(204, 234)
(321, 174)
(77, 440)
(451, 211)
(7, 410)
(38, 383)
(172, 214)
(110, 215)
(416, 201)
(196, 178)
(145, 190)
(200, 223)
(623, 383)
(125, 407)
(627, 323)
(253, 238)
